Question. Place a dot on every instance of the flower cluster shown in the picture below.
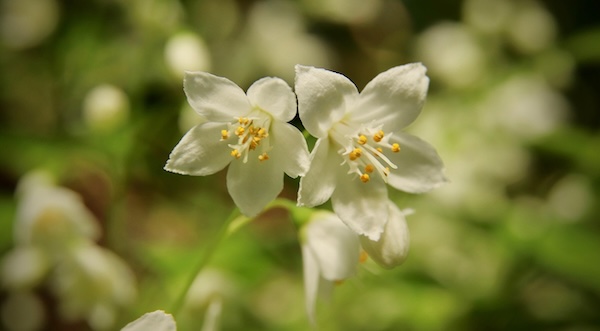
(360, 148)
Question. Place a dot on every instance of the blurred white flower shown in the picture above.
(344, 11)
(154, 321)
(452, 54)
(489, 16)
(531, 27)
(391, 249)
(26, 23)
(247, 132)
(362, 133)
(23, 311)
(187, 51)
(105, 107)
(330, 253)
(571, 197)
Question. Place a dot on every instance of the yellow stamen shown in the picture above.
(235, 153)
(378, 136)
(355, 154)
(362, 258)
(253, 145)
(243, 120)
(369, 168)
(263, 157)
(395, 148)
(379, 149)
(364, 178)
(362, 139)
(224, 134)
(262, 133)
(240, 131)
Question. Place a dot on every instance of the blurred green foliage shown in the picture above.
(511, 243)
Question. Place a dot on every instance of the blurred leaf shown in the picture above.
(585, 45)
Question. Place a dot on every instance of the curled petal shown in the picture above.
(361, 206)
(252, 185)
(312, 276)
(289, 149)
(200, 152)
(274, 96)
(323, 98)
(394, 98)
(391, 249)
(216, 98)
(155, 321)
(319, 182)
(420, 168)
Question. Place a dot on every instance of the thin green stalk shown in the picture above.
(208, 252)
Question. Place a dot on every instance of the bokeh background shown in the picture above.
(91, 91)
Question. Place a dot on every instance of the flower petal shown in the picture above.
(394, 98)
(155, 321)
(274, 96)
(289, 149)
(323, 98)
(334, 245)
(318, 184)
(200, 152)
(312, 275)
(216, 98)
(362, 206)
(254, 184)
(391, 249)
(420, 168)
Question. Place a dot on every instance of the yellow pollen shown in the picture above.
(355, 154)
(364, 178)
(378, 136)
(224, 134)
(362, 258)
(369, 168)
(262, 133)
(263, 157)
(379, 149)
(362, 139)
(243, 120)
(239, 131)
(235, 153)
(395, 148)
(253, 145)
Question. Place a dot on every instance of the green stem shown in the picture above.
(209, 251)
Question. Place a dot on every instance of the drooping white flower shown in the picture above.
(330, 253)
(391, 249)
(247, 131)
(154, 321)
(360, 146)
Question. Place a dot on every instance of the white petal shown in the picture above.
(318, 184)
(394, 98)
(216, 98)
(274, 96)
(154, 321)
(323, 98)
(200, 152)
(392, 248)
(212, 317)
(362, 206)
(289, 149)
(24, 267)
(312, 275)
(334, 245)
(254, 184)
(420, 168)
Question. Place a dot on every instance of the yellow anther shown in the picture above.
(362, 139)
(362, 258)
(263, 157)
(379, 149)
(262, 133)
(253, 145)
(339, 282)
(244, 120)
(240, 131)
(364, 178)
(378, 136)
(355, 154)
(395, 148)
(369, 168)
(224, 134)
(235, 153)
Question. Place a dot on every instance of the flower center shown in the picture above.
(250, 132)
(364, 150)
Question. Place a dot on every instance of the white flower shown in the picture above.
(248, 132)
(330, 253)
(360, 146)
(154, 321)
(391, 249)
